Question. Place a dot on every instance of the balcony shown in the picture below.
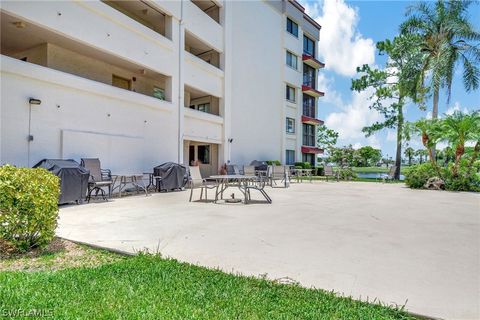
(312, 121)
(145, 14)
(312, 92)
(202, 25)
(201, 101)
(308, 149)
(201, 50)
(210, 8)
(312, 62)
(202, 127)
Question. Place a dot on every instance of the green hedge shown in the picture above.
(417, 175)
(273, 162)
(28, 207)
(303, 165)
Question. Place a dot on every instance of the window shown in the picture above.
(290, 94)
(308, 76)
(289, 157)
(205, 107)
(291, 60)
(290, 125)
(308, 106)
(292, 27)
(159, 93)
(120, 82)
(308, 46)
(308, 135)
(203, 153)
(309, 157)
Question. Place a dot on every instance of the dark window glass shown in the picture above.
(292, 27)
(204, 154)
(309, 157)
(308, 135)
(308, 76)
(308, 106)
(290, 125)
(292, 60)
(290, 93)
(308, 46)
(290, 157)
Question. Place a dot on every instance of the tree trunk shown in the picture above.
(398, 156)
(436, 95)
(459, 151)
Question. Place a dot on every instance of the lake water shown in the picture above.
(374, 175)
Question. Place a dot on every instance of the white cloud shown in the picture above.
(391, 136)
(341, 46)
(326, 84)
(350, 121)
(456, 107)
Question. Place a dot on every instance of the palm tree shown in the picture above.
(409, 153)
(448, 38)
(458, 129)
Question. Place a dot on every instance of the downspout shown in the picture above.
(180, 106)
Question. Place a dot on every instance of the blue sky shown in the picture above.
(349, 32)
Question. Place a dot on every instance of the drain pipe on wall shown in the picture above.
(180, 80)
(31, 102)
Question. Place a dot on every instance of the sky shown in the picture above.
(350, 30)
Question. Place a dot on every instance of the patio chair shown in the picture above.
(256, 184)
(196, 181)
(390, 176)
(279, 173)
(249, 170)
(329, 172)
(99, 178)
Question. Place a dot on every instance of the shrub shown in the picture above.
(417, 175)
(319, 171)
(464, 181)
(28, 207)
(346, 173)
(303, 165)
(273, 162)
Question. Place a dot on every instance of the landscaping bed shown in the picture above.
(109, 286)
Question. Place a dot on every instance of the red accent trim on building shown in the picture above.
(311, 61)
(315, 150)
(306, 16)
(312, 92)
(313, 121)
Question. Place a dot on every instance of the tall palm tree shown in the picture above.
(458, 129)
(448, 39)
(409, 153)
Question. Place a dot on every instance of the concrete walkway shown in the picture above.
(367, 240)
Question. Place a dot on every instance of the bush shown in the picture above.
(28, 207)
(346, 173)
(273, 162)
(319, 171)
(417, 175)
(303, 165)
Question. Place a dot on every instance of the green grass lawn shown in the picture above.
(149, 287)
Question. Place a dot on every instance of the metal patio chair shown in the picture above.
(330, 173)
(390, 176)
(279, 173)
(99, 178)
(196, 181)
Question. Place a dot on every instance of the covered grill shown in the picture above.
(170, 176)
(73, 178)
(259, 165)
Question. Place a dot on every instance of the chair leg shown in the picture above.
(201, 193)
(191, 194)
(206, 195)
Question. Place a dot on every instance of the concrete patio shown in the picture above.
(367, 240)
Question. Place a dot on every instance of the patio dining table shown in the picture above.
(120, 181)
(301, 173)
(242, 182)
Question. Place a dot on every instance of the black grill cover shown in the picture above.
(173, 176)
(259, 165)
(73, 178)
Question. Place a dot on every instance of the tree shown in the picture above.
(447, 38)
(393, 86)
(343, 157)
(458, 129)
(369, 155)
(409, 153)
(421, 154)
(326, 137)
(430, 132)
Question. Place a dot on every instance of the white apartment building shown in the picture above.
(139, 83)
